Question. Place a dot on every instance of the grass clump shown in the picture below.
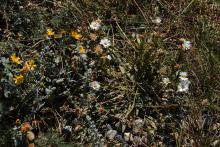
(141, 73)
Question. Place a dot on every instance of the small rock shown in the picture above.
(109, 127)
(78, 128)
(68, 128)
(119, 138)
(205, 102)
(144, 139)
(59, 80)
(111, 134)
(128, 136)
(137, 125)
(123, 127)
(67, 131)
(216, 142)
(137, 140)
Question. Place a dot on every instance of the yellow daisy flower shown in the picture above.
(28, 66)
(82, 50)
(18, 79)
(76, 35)
(15, 59)
(50, 32)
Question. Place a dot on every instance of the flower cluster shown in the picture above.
(95, 25)
(166, 81)
(50, 32)
(18, 79)
(105, 42)
(184, 83)
(76, 35)
(15, 59)
(29, 65)
(186, 44)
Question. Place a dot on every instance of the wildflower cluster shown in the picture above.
(121, 74)
(29, 65)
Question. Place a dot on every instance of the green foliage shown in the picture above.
(69, 78)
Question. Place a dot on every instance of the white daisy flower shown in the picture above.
(183, 75)
(183, 86)
(186, 45)
(184, 83)
(95, 25)
(105, 42)
(157, 20)
(95, 85)
(166, 81)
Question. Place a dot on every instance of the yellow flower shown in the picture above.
(50, 32)
(82, 50)
(76, 35)
(29, 65)
(15, 59)
(18, 79)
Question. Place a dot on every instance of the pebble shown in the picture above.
(111, 134)
(128, 136)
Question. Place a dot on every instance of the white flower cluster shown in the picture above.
(166, 81)
(184, 83)
(186, 45)
(95, 25)
(105, 42)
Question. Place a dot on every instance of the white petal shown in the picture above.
(105, 42)
(95, 85)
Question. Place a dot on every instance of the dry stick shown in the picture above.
(140, 10)
(74, 5)
(115, 98)
(131, 107)
(163, 106)
(125, 35)
(59, 124)
(36, 44)
(184, 10)
(177, 105)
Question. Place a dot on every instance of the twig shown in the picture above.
(184, 10)
(36, 44)
(117, 97)
(140, 10)
(131, 107)
(125, 35)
